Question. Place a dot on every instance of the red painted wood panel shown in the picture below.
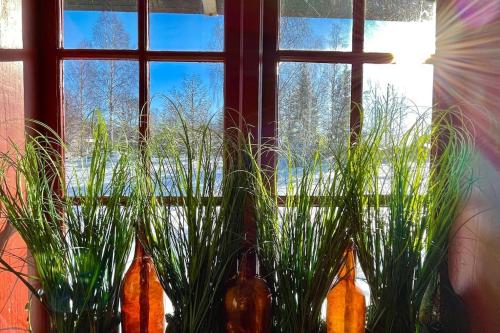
(13, 295)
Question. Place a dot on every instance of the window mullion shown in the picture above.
(243, 86)
(358, 28)
(357, 68)
(269, 125)
(143, 14)
(232, 45)
(250, 66)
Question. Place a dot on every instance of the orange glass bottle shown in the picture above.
(346, 309)
(247, 303)
(142, 296)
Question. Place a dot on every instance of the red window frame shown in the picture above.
(273, 56)
(56, 54)
(251, 57)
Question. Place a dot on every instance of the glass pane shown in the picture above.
(405, 28)
(195, 90)
(187, 25)
(91, 86)
(316, 25)
(11, 24)
(100, 24)
(313, 105)
(403, 92)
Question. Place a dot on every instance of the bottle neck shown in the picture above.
(139, 252)
(348, 269)
(244, 271)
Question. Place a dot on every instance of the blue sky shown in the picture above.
(78, 26)
(181, 32)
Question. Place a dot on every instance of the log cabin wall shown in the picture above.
(13, 295)
(17, 102)
(467, 72)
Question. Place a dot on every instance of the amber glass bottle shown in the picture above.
(247, 303)
(142, 296)
(345, 307)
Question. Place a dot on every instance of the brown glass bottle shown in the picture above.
(247, 303)
(142, 296)
(346, 308)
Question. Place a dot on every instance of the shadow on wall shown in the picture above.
(475, 251)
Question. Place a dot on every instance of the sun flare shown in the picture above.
(408, 42)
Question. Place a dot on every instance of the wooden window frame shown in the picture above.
(42, 56)
(56, 54)
(251, 57)
(273, 56)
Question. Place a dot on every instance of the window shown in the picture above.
(333, 56)
(316, 25)
(279, 64)
(137, 63)
(294, 70)
(320, 59)
(11, 25)
(100, 25)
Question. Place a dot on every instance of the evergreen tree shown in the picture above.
(339, 80)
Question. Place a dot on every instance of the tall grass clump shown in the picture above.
(194, 235)
(410, 197)
(79, 246)
(302, 236)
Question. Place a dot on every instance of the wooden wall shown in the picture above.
(13, 295)
(468, 76)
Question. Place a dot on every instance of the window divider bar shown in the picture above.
(270, 63)
(143, 25)
(317, 201)
(99, 54)
(143, 29)
(358, 40)
(13, 55)
(335, 57)
(179, 56)
(185, 56)
(358, 28)
(356, 101)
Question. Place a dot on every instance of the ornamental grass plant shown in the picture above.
(194, 200)
(302, 238)
(189, 190)
(79, 242)
(410, 196)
